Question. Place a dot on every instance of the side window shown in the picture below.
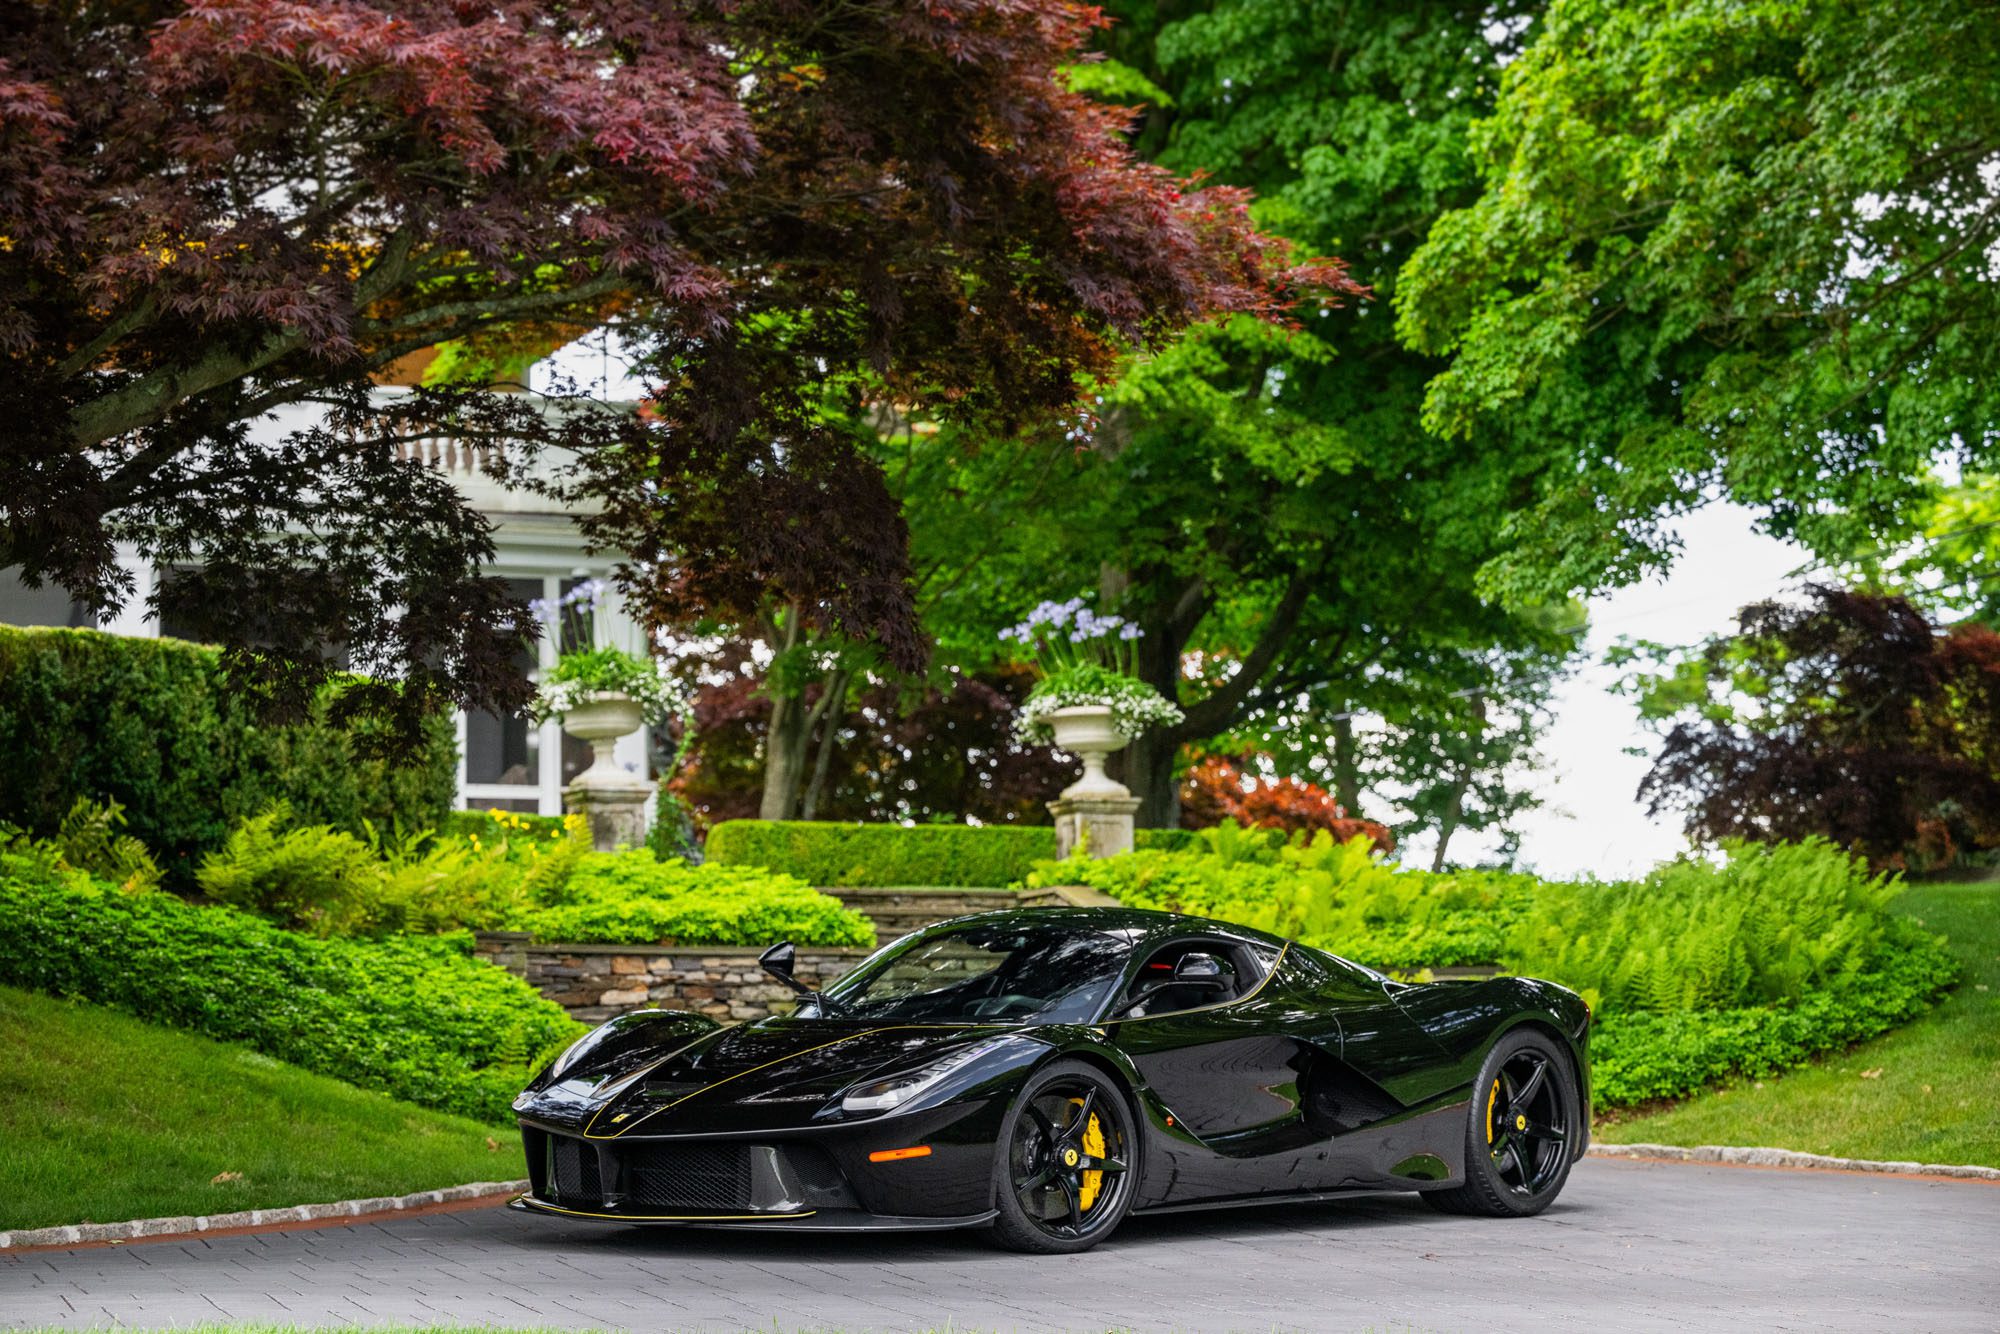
(1154, 992)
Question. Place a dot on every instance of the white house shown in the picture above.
(509, 762)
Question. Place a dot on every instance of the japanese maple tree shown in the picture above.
(212, 210)
(1848, 715)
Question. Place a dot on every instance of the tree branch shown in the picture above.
(145, 400)
(1208, 716)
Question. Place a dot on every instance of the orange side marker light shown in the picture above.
(891, 1155)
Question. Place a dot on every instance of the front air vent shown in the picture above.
(574, 1172)
(700, 1178)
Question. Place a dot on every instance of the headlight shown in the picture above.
(882, 1095)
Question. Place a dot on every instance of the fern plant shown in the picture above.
(91, 838)
(313, 878)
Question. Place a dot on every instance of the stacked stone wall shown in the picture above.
(596, 982)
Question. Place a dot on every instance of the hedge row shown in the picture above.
(149, 724)
(412, 1016)
(630, 898)
(970, 856)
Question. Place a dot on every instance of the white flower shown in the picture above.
(1135, 706)
(578, 678)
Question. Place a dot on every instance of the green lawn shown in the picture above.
(106, 1118)
(1928, 1092)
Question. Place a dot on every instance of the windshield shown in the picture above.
(990, 973)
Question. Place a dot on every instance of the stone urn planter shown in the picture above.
(1087, 732)
(1094, 812)
(613, 800)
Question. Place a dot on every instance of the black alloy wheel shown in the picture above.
(1064, 1166)
(1520, 1142)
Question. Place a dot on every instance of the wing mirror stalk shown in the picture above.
(779, 961)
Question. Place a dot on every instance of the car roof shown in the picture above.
(1149, 924)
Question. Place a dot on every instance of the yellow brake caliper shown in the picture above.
(1093, 1145)
(1491, 1099)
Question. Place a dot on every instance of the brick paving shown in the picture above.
(1630, 1246)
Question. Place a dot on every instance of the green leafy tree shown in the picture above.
(1723, 248)
(1265, 502)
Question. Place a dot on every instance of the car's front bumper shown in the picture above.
(927, 1169)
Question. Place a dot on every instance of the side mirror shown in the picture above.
(779, 960)
(1200, 970)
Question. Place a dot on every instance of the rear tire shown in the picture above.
(1065, 1167)
(1521, 1131)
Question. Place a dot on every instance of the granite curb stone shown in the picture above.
(185, 1225)
(1762, 1157)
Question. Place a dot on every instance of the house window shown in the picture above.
(505, 750)
(48, 605)
(509, 762)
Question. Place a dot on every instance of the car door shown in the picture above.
(1222, 1066)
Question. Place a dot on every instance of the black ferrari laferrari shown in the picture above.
(1044, 1072)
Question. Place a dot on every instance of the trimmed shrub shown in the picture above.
(968, 856)
(633, 898)
(414, 1017)
(147, 723)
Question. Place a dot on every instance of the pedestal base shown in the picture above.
(1101, 826)
(617, 814)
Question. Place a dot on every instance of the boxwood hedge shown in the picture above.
(834, 854)
(630, 898)
(148, 723)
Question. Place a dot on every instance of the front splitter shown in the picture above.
(807, 1220)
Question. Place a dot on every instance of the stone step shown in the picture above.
(898, 910)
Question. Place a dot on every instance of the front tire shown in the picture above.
(1521, 1132)
(1065, 1165)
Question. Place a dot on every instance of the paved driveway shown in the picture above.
(1631, 1245)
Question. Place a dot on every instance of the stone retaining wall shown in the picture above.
(597, 982)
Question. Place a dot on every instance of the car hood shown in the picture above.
(773, 1073)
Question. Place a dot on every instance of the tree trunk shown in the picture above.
(1147, 765)
(1148, 769)
(832, 708)
(1346, 768)
(1454, 806)
(1448, 822)
(785, 757)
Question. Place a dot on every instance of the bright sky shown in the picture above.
(1591, 822)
